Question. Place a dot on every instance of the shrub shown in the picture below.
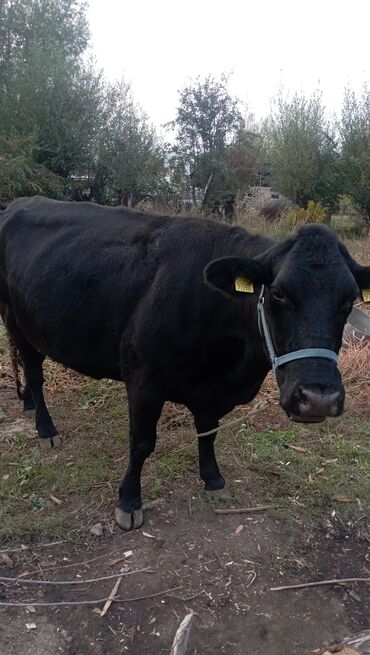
(314, 213)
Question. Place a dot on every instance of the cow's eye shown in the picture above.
(279, 296)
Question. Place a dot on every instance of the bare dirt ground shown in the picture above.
(221, 567)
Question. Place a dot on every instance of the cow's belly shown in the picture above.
(81, 342)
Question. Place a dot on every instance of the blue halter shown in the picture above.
(289, 357)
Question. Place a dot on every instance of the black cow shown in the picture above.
(169, 305)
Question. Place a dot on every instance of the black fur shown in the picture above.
(117, 294)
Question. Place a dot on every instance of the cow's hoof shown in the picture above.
(48, 443)
(129, 520)
(217, 484)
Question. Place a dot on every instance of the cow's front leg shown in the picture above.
(208, 467)
(145, 410)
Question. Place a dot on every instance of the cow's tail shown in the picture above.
(16, 365)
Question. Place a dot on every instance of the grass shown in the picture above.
(329, 466)
(175, 465)
(311, 468)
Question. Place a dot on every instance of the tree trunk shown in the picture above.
(207, 189)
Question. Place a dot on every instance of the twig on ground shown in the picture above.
(98, 601)
(33, 546)
(158, 593)
(65, 566)
(61, 603)
(111, 596)
(243, 510)
(74, 582)
(253, 575)
(318, 583)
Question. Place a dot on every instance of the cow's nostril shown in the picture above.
(320, 398)
(317, 402)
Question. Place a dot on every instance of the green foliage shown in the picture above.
(49, 96)
(66, 132)
(20, 175)
(216, 152)
(355, 155)
(130, 159)
(302, 150)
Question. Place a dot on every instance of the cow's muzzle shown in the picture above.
(314, 403)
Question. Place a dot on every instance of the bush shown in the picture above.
(314, 213)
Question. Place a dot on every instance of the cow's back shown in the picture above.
(73, 274)
(83, 280)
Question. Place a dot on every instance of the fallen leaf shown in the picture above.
(354, 595)
(97, 530)
(341, 498)
(147, 534)
(299, 449)
(8, 560)
(55, 500)
(239, 529)
(180, 642)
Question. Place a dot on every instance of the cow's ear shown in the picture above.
(360, 273)
(236, 276)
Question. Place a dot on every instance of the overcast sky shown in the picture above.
(300, 44)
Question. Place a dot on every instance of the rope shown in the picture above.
(248, 415)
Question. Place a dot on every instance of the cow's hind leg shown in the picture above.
(145, 409)
(33, 394)
(208, 467)
(27, 398)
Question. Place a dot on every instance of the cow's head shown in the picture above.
(310, 283)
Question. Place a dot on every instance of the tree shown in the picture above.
(302, 150)
(209, 127)
(130, 158)
(355, 153)
(48, 95)
(20, 175)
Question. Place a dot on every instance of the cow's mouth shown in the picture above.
(306, 419)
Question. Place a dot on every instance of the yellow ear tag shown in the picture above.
(243, 285)
(366, 295)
